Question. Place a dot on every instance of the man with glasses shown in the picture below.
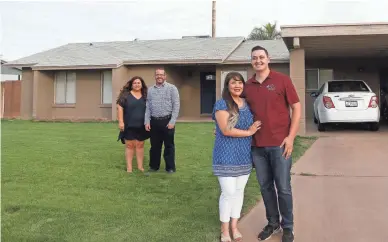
(162, 109)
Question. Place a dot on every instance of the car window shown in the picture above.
(347, 86)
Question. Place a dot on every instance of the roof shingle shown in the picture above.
(201, 50)
(277, 51)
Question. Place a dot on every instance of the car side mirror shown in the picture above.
(314, 94)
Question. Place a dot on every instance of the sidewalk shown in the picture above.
(340, 191)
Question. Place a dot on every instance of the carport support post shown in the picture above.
(297, 74)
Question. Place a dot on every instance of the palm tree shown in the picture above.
(265, 32)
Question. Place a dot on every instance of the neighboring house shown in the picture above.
(10, 91)
(9, 73)
(82, 80)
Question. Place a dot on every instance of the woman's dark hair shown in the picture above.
(232, 105)
(128, 87)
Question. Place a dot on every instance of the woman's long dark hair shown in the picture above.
(128, 87)
(232, 105)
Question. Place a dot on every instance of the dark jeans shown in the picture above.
(272, 167)
(161, 134)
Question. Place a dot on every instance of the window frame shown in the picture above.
(224, 73)
(102, 87)
(319, 84)
(66, 88)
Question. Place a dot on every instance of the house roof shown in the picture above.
(277, 51)
(9, 70)
(113, 54)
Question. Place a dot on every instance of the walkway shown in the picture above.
(340, 191)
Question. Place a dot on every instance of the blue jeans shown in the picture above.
(272, 167)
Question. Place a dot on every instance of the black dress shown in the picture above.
(133, 115)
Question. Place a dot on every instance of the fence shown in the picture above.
(10, 99)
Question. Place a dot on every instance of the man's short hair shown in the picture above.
(258, 47)
(160, 68)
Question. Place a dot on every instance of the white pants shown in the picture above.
(232, 196)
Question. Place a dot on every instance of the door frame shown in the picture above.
(202, 78)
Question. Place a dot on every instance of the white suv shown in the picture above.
(346, 101)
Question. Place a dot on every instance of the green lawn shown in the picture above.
(67, 182)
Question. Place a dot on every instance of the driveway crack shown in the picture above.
(337, 175)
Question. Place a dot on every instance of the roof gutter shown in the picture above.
(276, 61)
(166, 62)
(77, 67)
(19, 65)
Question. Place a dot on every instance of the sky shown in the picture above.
(28, 27)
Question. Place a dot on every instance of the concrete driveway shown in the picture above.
(340, 191)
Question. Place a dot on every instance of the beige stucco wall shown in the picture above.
(26, 93)
(297, 74)
(120, 76)
(190, 89)
(88, 99)
(123, 74)
(38, 90)
(185, 78)
(175, 75)
(43, 94)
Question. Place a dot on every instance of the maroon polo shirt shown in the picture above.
(269, 103)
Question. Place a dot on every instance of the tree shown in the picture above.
(265, 32)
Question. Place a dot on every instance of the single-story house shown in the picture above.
(82, 80)
(9, 73)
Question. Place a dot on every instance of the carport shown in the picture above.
(342, 51)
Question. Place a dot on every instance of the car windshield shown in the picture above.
(347, 86)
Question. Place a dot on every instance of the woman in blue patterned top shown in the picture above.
(232, 161)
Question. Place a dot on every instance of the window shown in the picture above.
(348, 86)
(106, 87)
(65, 90)
(316, 77)
(224, 73)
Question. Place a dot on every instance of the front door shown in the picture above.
(208, 92)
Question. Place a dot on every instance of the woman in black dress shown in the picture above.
(131, 106)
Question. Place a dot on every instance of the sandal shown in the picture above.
(224, 238)
(237, 236)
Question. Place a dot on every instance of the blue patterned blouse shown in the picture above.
(232, 155)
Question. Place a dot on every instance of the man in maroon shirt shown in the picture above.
(270, 95)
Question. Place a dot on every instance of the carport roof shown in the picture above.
(339, 40)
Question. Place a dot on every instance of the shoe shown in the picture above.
(224, 238)
(237, 237)
(267, 232)
(288, 235)
(170, 171)
(148, 173)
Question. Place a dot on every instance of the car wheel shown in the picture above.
(374, 126)
(315, 119)
(321, 126)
